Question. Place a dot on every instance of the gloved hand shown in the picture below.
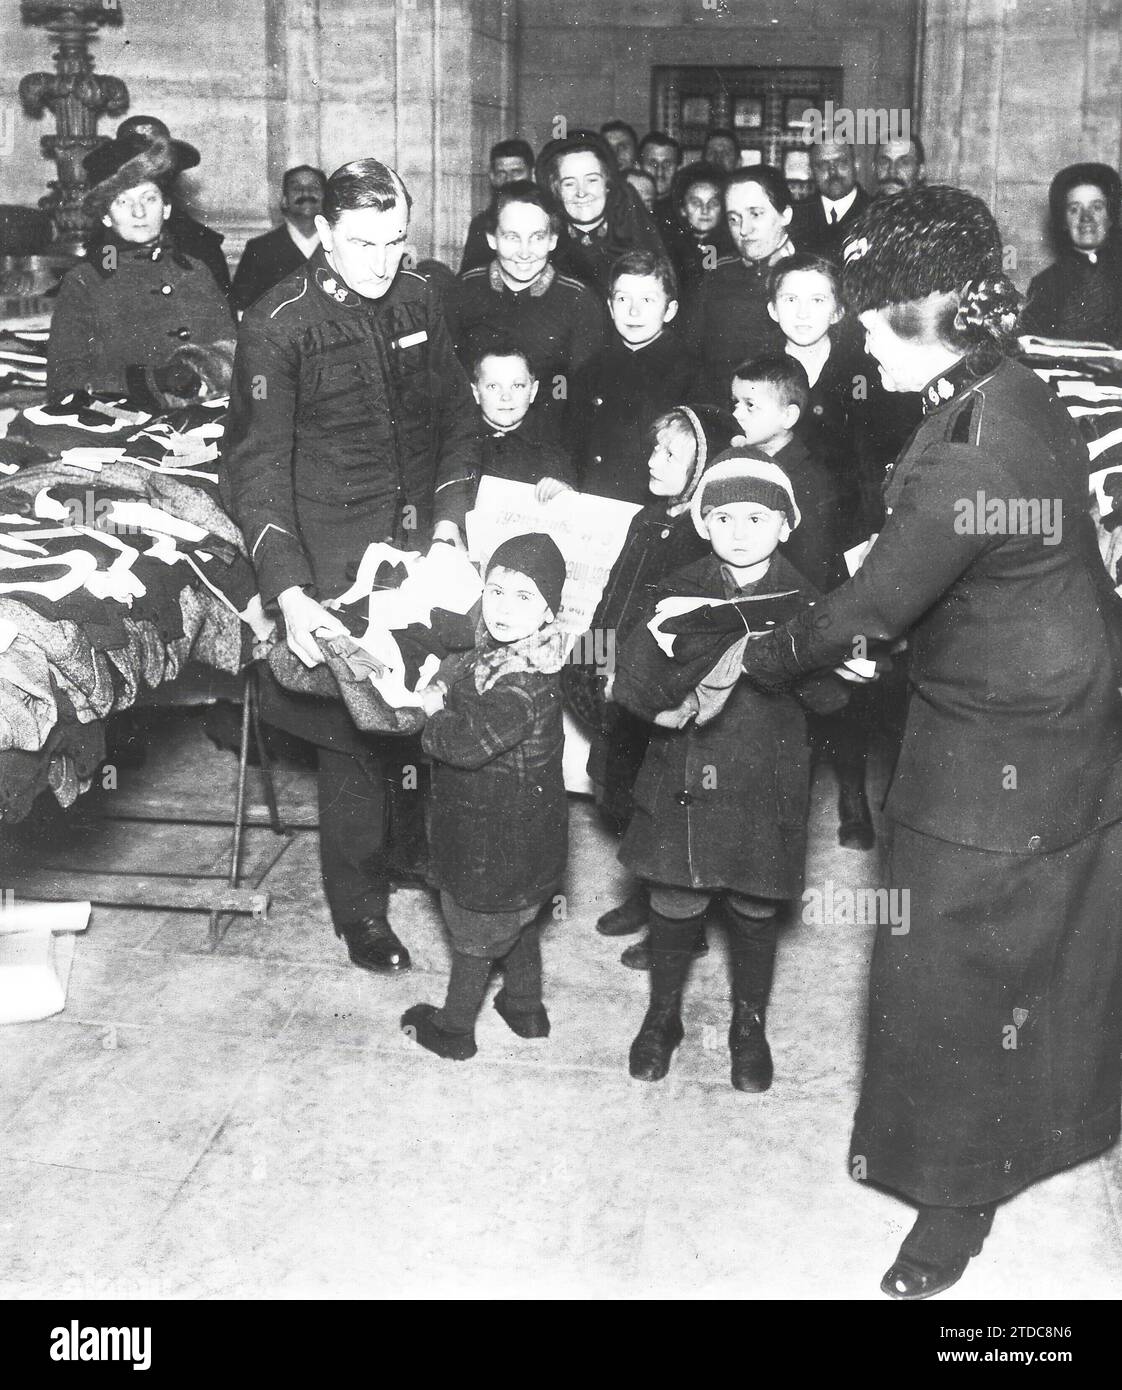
(177, 379)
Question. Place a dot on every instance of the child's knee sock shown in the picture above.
(467, 985)
(672, 942)
(522, 970)
(752, 949)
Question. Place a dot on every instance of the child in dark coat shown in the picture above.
(660, 539)
(619, 393)
(499, 827)
(721, 801)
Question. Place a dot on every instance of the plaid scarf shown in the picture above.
(542, 651)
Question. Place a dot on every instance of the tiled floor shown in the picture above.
(249, 1122)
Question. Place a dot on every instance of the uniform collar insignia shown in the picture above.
(329, 284)
(947, 385)
(535, 289)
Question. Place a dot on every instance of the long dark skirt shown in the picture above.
(994, 1021)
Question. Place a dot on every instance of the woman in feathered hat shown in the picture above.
(993, 1039)
(604, 217)
(140, 319)
(1079, 296)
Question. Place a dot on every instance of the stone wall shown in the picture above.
(587, 60)
(1013, 90)
(261, 85)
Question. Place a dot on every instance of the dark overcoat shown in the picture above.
(724, 806)
(1007, 801)
(127, 311)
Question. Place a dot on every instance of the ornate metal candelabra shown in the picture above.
(76, 96)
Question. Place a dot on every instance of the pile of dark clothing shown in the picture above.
(117, 566)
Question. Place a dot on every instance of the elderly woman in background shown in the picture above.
(140, 319)
(992, 1056)
(1079, 296)
(604, 217)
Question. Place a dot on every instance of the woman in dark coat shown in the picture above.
(1079, 296)
(725, 318)
(993, 1045)
(140, 318)
(604, 216)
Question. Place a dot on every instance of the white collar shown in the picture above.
(308, 245)
(841, 206)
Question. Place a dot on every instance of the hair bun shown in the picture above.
(989, 302)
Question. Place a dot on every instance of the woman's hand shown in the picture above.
(549, 488)
(680, 715)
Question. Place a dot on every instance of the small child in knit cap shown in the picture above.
(720, 805)
(499, 827)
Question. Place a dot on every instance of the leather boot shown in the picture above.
(630, 916)
(638, 955)
(937, 1250)
(748, 1049)
(373, 945)
(661, 1030)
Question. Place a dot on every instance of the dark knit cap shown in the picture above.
(535, 555)
(923, 241)
(743, 474)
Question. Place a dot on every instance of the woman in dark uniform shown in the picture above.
(993, 1047)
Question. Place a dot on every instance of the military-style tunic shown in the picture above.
(993, 1050)
(350, 422)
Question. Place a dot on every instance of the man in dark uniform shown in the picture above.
(350, 422)
(267, 259)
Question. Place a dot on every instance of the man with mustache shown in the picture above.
(822, 223)
(898, 165)
(267, 259)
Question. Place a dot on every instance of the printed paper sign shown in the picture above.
(589, 532)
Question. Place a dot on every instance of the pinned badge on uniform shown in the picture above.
(412, 339)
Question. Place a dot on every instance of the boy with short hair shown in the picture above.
(504, 386)
(499, 828)
(721, 801)
(619, 393)
(770, 396)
